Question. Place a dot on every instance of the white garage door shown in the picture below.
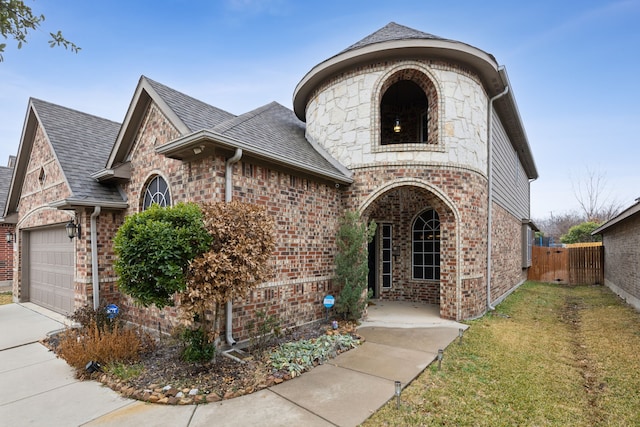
(51, 266)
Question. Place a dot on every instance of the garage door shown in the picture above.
(51, 266)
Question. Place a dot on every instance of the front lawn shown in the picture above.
(550, 355)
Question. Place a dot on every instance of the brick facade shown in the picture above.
(6, 255)
(506, 252)
(622, 259)
(304, 210)
(403, 191)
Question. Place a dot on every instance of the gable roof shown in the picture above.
(186, 114)
(627, 213)
(194, 113)
(80, 142)
(270, 133)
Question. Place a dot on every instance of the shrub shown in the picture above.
(154, 248)
(352, 267)
(197, 347)
(263, 331)
(87, 315)
(581, 233)
(78, 346)
(236, 261)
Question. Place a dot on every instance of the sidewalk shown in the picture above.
(39, 389)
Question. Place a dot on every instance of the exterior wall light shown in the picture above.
(10, 237)
(73, 229)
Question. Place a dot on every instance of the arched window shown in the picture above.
(156, 191)
(426, 246)
(404, 114)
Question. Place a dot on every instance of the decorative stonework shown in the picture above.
(342, 115)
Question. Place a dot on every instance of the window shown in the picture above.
(528, 236)
(386, 255)
(426, 246)
(157, 191)
(42, 176)
(403, 114)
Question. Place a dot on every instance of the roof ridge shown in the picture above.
(73, 110)
(242, 118)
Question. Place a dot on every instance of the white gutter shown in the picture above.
(490, 195)
(228, 195)
(94, 258)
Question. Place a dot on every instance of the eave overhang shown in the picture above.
(481, 61)
(493, 77)
(72, 203)
(205, 142)
(633, 210)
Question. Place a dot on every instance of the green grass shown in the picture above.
(550, 355)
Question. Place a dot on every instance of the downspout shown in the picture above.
(94, 258)
(228, 195)
(490, 195)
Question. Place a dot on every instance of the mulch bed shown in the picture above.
(166, 379)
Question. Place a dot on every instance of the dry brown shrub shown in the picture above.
(121, 344)
(243, 240)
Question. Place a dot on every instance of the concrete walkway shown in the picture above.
(38, 389)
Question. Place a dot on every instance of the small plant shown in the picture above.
(124, 371)
(87, 316)
(299, 356)
(197, 346)
(263, 331)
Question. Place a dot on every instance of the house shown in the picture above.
(418, 133)
(621, 241)
(7, 230)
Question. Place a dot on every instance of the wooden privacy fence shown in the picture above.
(574, 266)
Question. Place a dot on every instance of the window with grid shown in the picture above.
(157, 191)
(386, 255)
(426, 246)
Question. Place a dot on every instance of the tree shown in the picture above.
(237, 260)
(352, 266)
(17, 19)
(154, 248)
(592, 198)
(581, 233)
(555, 226)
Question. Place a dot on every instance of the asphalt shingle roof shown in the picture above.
(195, 114)
(5, 182)
(389, 32)
(82, 144)
(275, 129)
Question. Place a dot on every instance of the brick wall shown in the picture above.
(506, 252)
(6, 254)
(43, 183)
(411, 189)
(305, 212)
(622, 259)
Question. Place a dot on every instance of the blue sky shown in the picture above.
(574, 66)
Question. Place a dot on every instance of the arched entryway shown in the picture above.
(413, 256)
